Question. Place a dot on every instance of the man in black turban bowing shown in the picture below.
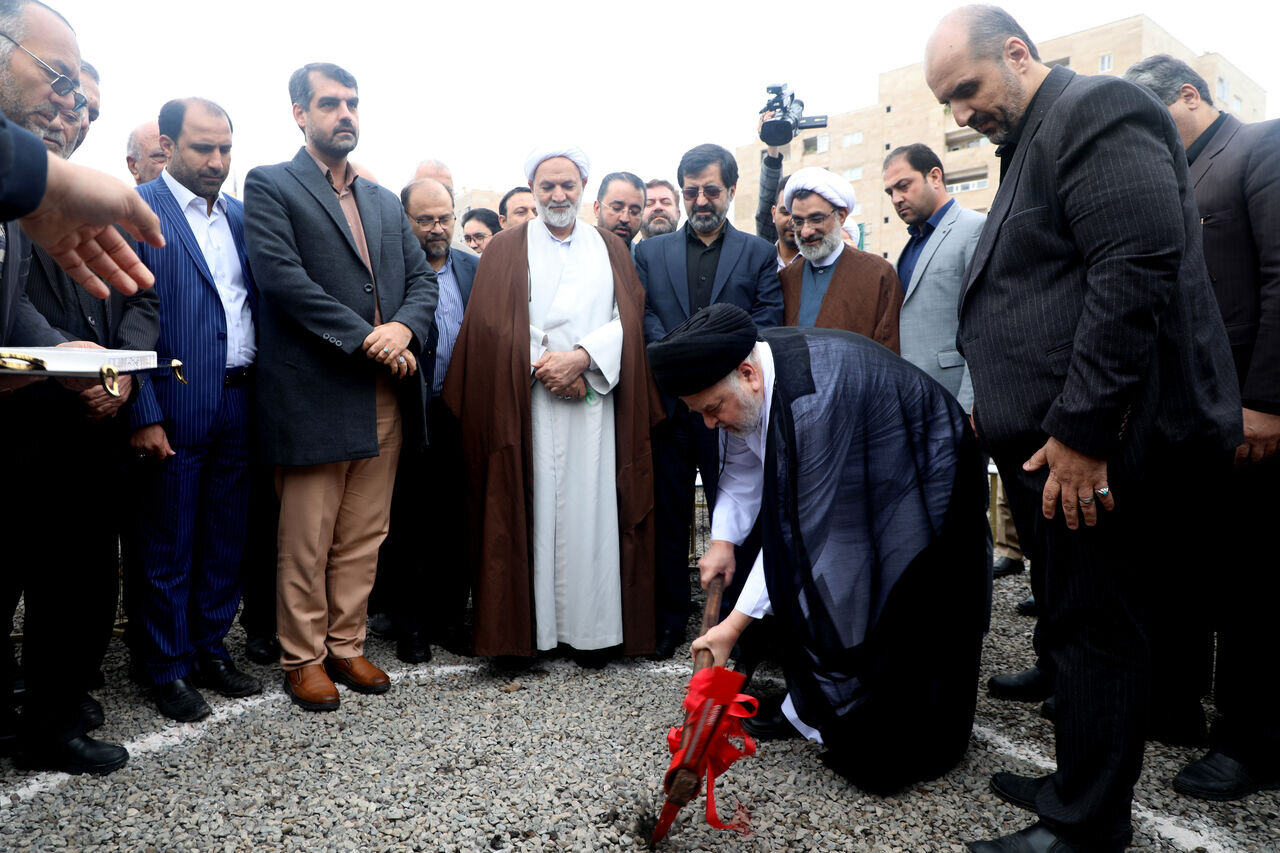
(870, 491)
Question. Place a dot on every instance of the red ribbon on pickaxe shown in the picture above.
(702, 746)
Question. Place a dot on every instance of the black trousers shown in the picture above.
(1093, 629)
(258, 568)
(682, 446)
(422, 567)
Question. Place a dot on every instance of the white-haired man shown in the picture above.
(549, 382)
(837, 286)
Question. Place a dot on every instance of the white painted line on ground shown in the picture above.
(1195, 836)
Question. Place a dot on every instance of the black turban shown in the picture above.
(702, 350)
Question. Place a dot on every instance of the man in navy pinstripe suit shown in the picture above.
(1103, 388)
(195, 489)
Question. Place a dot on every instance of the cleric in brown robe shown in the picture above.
(491, 385)
(837, 286)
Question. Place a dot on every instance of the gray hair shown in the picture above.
(13, 22)
(133, 148)
(1165, 77)
(91, 71)
(990, 27)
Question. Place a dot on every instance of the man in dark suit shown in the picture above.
(683, 272)
(347, 307)
(195, 439)
(1101, 376)
(1235, 169)
(424, 558)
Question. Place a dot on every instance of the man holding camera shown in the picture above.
(705, 262)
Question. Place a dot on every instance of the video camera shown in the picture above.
(788, 117)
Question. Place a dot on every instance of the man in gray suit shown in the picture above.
(346, 306)
(932, 264)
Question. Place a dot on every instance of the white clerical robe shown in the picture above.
(577, 588)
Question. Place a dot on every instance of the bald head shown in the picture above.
(429, 207)
(982, 63)
(436, 171)
(144, 155)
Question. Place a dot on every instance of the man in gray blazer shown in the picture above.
(347, 303)
(932, 264)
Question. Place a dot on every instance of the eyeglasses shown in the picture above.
(476, 239)
(813, 220)
(429, 223)
(61, 83)
(619, 206)
(711, 191)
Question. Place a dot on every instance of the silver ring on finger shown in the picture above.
(401, 359)
(1085, 501)
(1103, 492)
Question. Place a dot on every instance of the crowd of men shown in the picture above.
(1108, 334)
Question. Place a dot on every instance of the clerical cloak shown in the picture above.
(488, 389)
(874, 518)
(863, 296)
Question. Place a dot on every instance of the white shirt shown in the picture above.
(213, 235)
(738, 498)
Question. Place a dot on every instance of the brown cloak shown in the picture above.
(864, 297)
(487, 387)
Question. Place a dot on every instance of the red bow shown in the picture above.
(714, 709)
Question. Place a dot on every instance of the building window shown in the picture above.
(1104, 64)
(967, 186)
(851, 139)
(1237, 105)
(819, 144)
(854, 174)
(958, 140)
(1224, 90)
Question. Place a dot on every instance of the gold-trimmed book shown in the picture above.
(75, 361)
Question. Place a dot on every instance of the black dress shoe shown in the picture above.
(455, 639)
(179, 701)
(668, 641)
(221, 675)
(1018, 790)
(592, 658)
(81, 754)
(380, 625)
(773, 726)
(1036, 838)
(262, 649)
(1049, 710)
(413, 648)
(1005, 566)
(91, 714)
(1030, 685)
(1027, 606)
(1220, 777)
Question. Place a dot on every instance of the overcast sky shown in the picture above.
(477, 84)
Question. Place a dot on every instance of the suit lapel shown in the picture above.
(730, 253)
(169, 210)
(51, 275)
(1216, 146)
(307, 173)
(235, 219)
(931, 247)
(678, 270)
(1045, 99)
(371, 219)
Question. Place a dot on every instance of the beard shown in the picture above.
(558, 216)
(435, 248)
(787, 237)
(625, 232)
(707, 219)
(1005, 117)
(331, 144)
(749, 406)
(659, 222)
(50, 133)
(815, 252)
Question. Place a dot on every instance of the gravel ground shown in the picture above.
(462, 756)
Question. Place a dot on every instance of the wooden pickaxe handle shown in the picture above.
(710, 618)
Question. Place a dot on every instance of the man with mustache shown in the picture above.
(422, 566)
(706, 262)
(549, 382)
(195, 439)
(619, 205)
(1103, 384)
(348, 302)
(837, 286)
(661, 213)
(516, 208)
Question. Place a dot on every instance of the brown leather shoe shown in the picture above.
(310, 689)
(358, 674)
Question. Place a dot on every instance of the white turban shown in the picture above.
(824, 182)
(546, 152)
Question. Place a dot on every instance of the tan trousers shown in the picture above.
(333, 518)
(1006, 535)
